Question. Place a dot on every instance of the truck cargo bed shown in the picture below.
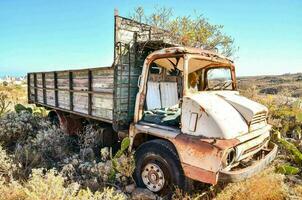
(87, 92)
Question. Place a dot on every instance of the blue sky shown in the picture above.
(38, 35)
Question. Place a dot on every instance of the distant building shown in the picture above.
(13, 80)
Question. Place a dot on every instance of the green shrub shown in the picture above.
(19, 108)
(285, 118)
(297, 155)
(287, 169)
(5, 83)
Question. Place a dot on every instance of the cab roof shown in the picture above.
(166, 58)
(191, 50)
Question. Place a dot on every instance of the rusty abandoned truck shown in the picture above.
(178, 105)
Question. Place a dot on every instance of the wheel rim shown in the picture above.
(153, 177)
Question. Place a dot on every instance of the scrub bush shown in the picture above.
(93, 174)
(7, 167)
(4, 103)
(18, 127)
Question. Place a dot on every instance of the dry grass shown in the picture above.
(16, 94)
(50, 186)
(265, 186)
(11, 191)
(297, 190)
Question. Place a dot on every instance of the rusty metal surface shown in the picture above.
(199, 174)
(243, 173)
(195, 152)
(177, 51)
(221, 143)
(202, 158)
(70, 125)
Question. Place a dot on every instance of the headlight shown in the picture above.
(230, 157)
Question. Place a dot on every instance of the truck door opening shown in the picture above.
(164, 91)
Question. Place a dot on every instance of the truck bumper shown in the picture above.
(244, 173)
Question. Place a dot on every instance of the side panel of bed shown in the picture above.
(87, 92)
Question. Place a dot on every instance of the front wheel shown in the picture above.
(158, 167)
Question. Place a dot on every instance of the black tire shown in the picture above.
(54, 118)
(163, 154)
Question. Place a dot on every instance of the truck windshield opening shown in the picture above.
(204, 75)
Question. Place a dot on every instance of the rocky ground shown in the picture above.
(289, 85)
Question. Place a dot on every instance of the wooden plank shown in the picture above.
(55, 76)
(79, 91)
(32, 79)
(28, 88)
(102, 72)
(49, 80)
(70, 93)
(63, 80)
(103, 113)
(77, 113)
(89, 89)
(35, 84)
(80, 102)
(80, 84)
(40, 95)
(63, 100)
(50, 97)
(102, 101)
(32, 96)
(44, 86)
(39, 79)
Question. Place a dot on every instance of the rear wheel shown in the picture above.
(158, 167)
(54, 118)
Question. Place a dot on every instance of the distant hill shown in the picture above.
(274, 84)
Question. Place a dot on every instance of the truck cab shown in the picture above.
(191, 123)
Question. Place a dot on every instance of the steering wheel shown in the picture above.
(221, 84)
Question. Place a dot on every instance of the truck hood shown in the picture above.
(228, 114)
(246, 107)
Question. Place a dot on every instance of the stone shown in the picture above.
(143, 194)
(87, 154)
(130, 188)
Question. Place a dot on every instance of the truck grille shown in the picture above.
(255, 148)
(258, 118)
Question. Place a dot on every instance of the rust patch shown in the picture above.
(197, 153)
(184, 141)
(202, 158)
(207, 55)
(69, 125)
(199, 174)
(222, 143)
(203, 110)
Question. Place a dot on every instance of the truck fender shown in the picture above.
(201, 159)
